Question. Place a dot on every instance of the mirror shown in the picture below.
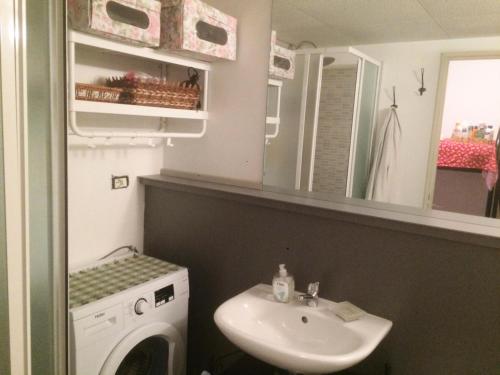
(392, 102)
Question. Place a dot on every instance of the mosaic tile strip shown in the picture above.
(338, 90)
(95, 283)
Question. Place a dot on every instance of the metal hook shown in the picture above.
(169, 142)
(422, 88)
(192, 82)
(394, 105)
(91, 143)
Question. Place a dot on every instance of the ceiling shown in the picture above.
(354, 22)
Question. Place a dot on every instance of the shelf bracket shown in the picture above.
(275, 120)
(156, 134)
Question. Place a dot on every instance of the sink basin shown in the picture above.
(298, 338)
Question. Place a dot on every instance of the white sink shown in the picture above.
(295, 337)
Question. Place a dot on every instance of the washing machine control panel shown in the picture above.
(141, 305)
(164, 295)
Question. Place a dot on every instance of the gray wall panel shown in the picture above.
(441, 295)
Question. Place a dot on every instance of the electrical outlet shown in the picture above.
(119, 182)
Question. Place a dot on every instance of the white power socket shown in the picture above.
(119, 182)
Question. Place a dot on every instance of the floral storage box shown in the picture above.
(136, 21)
(282, 63)
(196, 29)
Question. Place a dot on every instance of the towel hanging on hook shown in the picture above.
(384, 157)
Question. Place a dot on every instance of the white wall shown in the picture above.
(101, 219)
(233, 147)
(401, 64)
(472, 94)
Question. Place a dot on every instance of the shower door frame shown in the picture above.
(355, 121)
(325, 52)
(13, 89)
(17, 84)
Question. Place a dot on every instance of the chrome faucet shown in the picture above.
(311, 298)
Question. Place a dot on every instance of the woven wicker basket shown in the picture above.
(96, 93)
(156, 92)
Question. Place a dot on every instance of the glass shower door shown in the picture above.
(363, 131)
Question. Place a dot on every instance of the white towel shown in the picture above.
(384, 159)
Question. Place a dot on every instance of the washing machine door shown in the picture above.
(155, 349)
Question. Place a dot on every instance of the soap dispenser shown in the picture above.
(283, 285)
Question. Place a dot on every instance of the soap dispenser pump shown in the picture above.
(283, 285)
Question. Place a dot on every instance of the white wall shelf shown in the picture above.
(136, 110)
(127, 49)
(83, 106)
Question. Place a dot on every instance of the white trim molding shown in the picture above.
(446, 58)
(13, 92)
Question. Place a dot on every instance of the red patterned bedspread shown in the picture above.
(470, 155)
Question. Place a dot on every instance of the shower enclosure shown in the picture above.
(327, 119)
(32, 188)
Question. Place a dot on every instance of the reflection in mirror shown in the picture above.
(401, 109)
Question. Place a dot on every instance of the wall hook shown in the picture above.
(132, 141)
(422, 88)
(169, 142)
(394, 105)
(91, 143)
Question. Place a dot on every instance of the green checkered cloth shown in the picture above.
(92, 284)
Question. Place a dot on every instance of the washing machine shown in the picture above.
(128, 316)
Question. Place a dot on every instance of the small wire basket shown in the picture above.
(97, 93)
(156, 92)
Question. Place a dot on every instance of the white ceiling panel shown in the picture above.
(345, 22)
(460, 8)
(413, 31)
(359, 12)
(322, 36)
(286, 17)
(466, 27)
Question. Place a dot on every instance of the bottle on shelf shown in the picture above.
(457, 132)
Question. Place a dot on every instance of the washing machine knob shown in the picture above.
(140, 306)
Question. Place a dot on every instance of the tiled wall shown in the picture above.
(334, 129)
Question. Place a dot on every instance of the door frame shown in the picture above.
(302, 121)
(315, 123)
(14, 113)
(446, 58)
